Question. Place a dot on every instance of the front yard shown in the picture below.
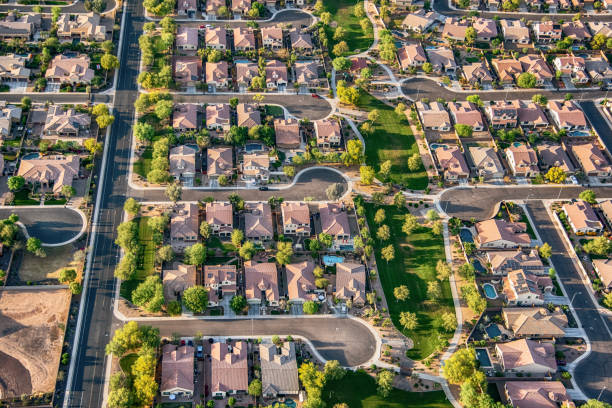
(392, 140)
(414, 265)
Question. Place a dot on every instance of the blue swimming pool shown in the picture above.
(489, 291)
(331, 260)
(483, 357)
(434, 146)
(290, 403)
(466, 235)
(579, 133)
(517, 144)
(31, 156)
(253, 147)
(493, 331)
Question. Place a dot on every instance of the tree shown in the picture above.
(321, 283)
(607, 300)
(205, 230)
(388, 253)
(556, 175)
(247, 250)
(223, 180)
(473, 299)
(443, 270)
(354, 152)
(333, 371)
(341, 63)
(109, 62)
(599, 41)
(373, 115)
(326, 17)
(383, 233)
(600, 246)
(149, 294)
(385, 169)
(347, 94)
(105, 121)
(255, 388)
(238, 303)
(92, 146)
(408, 320)
(475, 99)
(414, 162)
(399, 200)
(68, 191)
(380, 216)
(334, 191)
(588, 196)
(67, 275)
(366, 174)
(470, 35)
(195, 298)
(427, 68)
(432, 215)
(539, 99)
(234, 102)
(340, 48)
(526, 80)
(449, 321)
(463, 130)
(593, 403)
(284, 253)
(460, 366)
(34, 246)
(410, 223)
(132, 337)
(174, 191)
(437, 228)
(545, 250)
(15, 183)
(163, 109)
(384, 381)
(310, 307)
(401, 292)
(434, 292)
(195, 254)
(55, 14)
(144, 132)
(131, 206)
(237, 237)
(164, 254)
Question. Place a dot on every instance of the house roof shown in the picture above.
(229, 367)
(12, 65)
(245, 72)
(523, 156)
(185, 222)
(466, 113)
(433, 114)
(553, 155)
(350, 281)
(581, 215)
(507, 69)
(244, 37)
(334, 219)
(276, 71)
(182, 160)
(295, 212)
(606, 208)
(59, 170)
(218, 114)
(521, 259)
(217, 274)
(537, 394)
(255, 164)
(411, 53)
(70, 69)
(306, 71)
(514, 30)
(455, 28)
(177, 368)
(301, 281)
(279, 373)
(287, 131)
(451, 160)
(441, 57)
(272, 33)
(187, 69)
(300, 40)
(520, 353)
(591, 158)
(326, 129)
(496, 229)
(217, 72)
(216, 36)
(535, 321)
(485, 159)
(568, 112)
(485, 27)
(537, 66)
(187, 36)
(60, 120)
(531, 113)
(261, 278)
(420, 19)
(576, 30)
(248, 115)
(178, 279)
(219, 213)
(477, 72)
(258, 220)
(519, 283)
(185, 116)
(603, 267)
(84, 25)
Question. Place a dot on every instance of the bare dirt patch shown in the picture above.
(36, 269)
(32, 323)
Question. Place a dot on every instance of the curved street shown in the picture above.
(52, 225)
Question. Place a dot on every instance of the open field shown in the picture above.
(392, 140)
(414, 265)
(358, 390)
(342, 12)
(32, 323)
(34, 268)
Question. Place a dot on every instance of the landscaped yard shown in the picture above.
(342, 12)
(21, 198)
(142, 166)
(146, 258)
(392, 140)
(358, 390)
(414, 265)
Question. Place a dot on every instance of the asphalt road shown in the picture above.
(598, 122)
(594, 373)
(52, 225)
(78, 7)
(42, 97)
(342, 339)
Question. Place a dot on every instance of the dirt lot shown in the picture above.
(36, 269)
(32, 325)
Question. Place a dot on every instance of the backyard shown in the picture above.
(146, 258)
(414, 265)
(392, 140)
(358, 390)
(342, 12)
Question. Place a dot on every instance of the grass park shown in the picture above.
(342, 12)
(146, 259)
(414, 265)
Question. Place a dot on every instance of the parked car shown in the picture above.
(263, 188)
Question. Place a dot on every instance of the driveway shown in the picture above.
(52, 225)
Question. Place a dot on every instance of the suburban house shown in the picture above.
(419, 21)
(213, 6)
(220, 281)
(187, 7)
(503, 262)
(9, 115)
(248, 115)
(433, 116)
(535, 322)
(287, 133)
(522, 160)
(466, 113)
(272, 37)
(13, 68)
(599, 69)
(606, 210)
(185, 117)
(177, 371)
(603, 268)
(279, 372)
(501, 234)
(69, 70)
(307, 74)
(229, 369)
(592, 159)
(572, 67)
(576, 30)
(515, 31)
(183, 164)
(486, 29)
(477, 73)
(507, 69)
(50, 172)
(217, 75)
(258, 224)
(553, 155)
(537, 394)
(536, 65)
(582, 218)
(19, 28)
(244, 39)
(528, 357)
(567, 115)
(296, 218)
(82, 26)
(187, 38)
(411, 56)
(66, 125)
(357, 64)
(350, 283)
(256, 167)
(216, 38)
(522, 288)
(261, 283)
(334, 221)
(178, 279)
(600, 27)
(531, 115)
(442, 59)
(328, 133)
(187, 70)
(301, 282)
(220, 217)
(486, 163)
(451, 162)
(219, 161)
(276, 75)
(547, 32)
(184, 227)
(301, 42)
(245, 72)
(503, 114)
(218, 117)
(241, 7)
(454, 29)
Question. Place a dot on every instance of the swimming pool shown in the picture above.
(579, 133)
(331, 260)
(489, 291)
(483, 357)
(517, 144)
(435, 146)
(493, 331)
(31, 156)
(253, 147)
(466, 235)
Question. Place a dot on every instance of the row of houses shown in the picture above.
(25, 26)
(63, 69)
(211, 8)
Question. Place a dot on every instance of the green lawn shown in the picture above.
(358, 390)
(146, 259)
(60, 201)
(342, 13)
(392, 140)
(21, 198)
(414, 265)
(142, 166)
